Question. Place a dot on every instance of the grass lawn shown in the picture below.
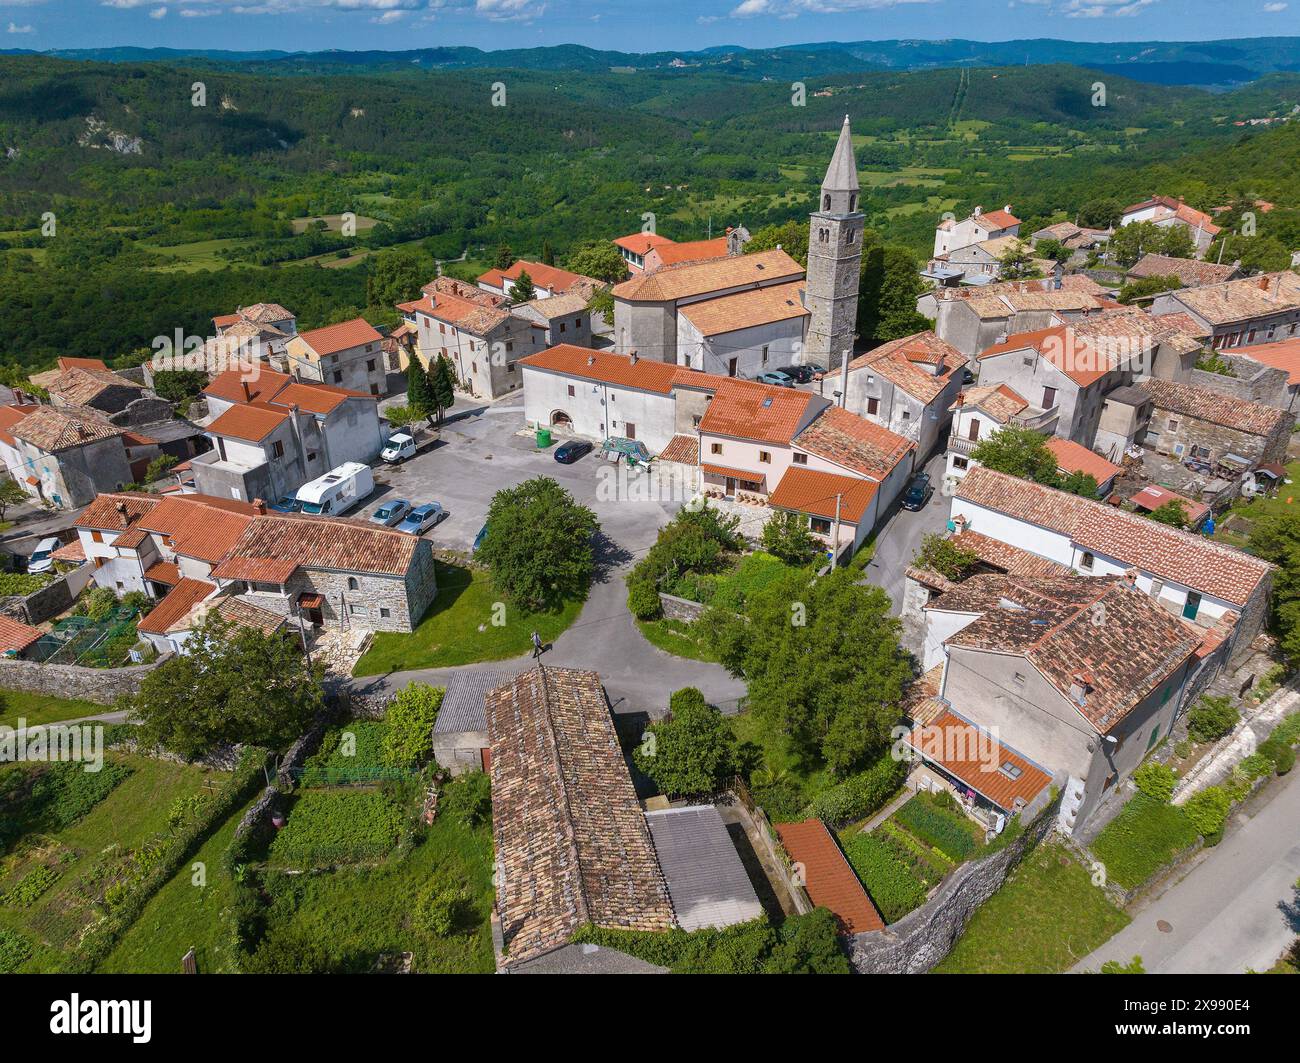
(1141, 839)
(181, 915)
(43, 708)
(458, 628)
(358, 913)
(132, 813)
(1286, 501)
(675, 637)
(1046, 917)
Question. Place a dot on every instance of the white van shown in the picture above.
(400, 447)
(338, 490)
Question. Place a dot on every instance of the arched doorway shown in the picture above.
(560, 419)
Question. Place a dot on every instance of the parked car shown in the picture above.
(568, 453)
(775, 378)
(42, 559)
(800, 374)
(918, 491)
(288, 504)
(400, 446)
(478, 539)
(391, 512)
(421, 518)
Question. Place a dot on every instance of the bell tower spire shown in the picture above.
(834, 259)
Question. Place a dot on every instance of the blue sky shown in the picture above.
(626, 25)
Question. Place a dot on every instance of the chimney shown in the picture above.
(1079, 684)
(120, 506)
(1131, 578)
(1263, 285)
(976, 212)
(1007, 208)
(631, 358)
(591, 359)
(248, 395)
(959, 523)
(259, 507)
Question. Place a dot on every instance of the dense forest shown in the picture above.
(137, 198)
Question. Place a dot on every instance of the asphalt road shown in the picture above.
(1236, 909)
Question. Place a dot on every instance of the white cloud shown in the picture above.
(1273, 9)
(794, 8)
(383, 11)
(15, 28)
(158, 12)
(390, 16)
(1104, 8)
(510, 10)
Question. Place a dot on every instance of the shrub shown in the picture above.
(1288, 731)
(860, 795)
(944, 830)
(643, 600)
(1208, 810)
(1212, 719)
(691, 752)
(885, 877)
(287, 953)
(1279, 753)
(159, 466)
(1156, 780)
(468, 799)
(14, 951)
(33, 885)
(1255, 766)
(441, 906)
(99, 602)
(410, 719)
(783, 799)
(1145, 835)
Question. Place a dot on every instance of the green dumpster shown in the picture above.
(543, 438)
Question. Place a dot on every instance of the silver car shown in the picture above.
(391, 512)
(421, 518)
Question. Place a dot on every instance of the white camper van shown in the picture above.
(338, 490)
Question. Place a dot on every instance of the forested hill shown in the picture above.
(1221, 62)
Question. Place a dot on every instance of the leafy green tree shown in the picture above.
(599, 259)
(822, 663)
(10, 494)
(602, 303)
(695, 540)
(1017, 451)
(787, 535)
(693, 751)
(1257, 254)
(504, 257)
(940, 554)
(408, 737)
(889, 285)
(523, 289)
(231, 685)
(1212, 718)
(1053, 249)
(179, 385)
(790, 236)
(157, 468)
(1100, 213)
(468, 799)
(1016, 262)
(394, 277)
(1277, 539)
(538, 545)
(1079, 483)
(1136, 239)
(808, 944)
(442, 386)
(1172, 513)
(419, 396)
(1147, 286)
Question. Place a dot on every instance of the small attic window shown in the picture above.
(1011, 771)
(758, 265)
(767, 402)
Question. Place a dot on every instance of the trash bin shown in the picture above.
(543, 438)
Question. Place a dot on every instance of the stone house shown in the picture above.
(1239, 313)
(909, 386)
(66, 455)
(979, 321)
(952, 235)
(1194, 422)
(460, 734)
(746, 333)
(347, 355)
(94, 389)
(1191, 272)
(1167, 212)
(565, 317)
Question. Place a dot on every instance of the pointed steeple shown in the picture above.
(842, 174)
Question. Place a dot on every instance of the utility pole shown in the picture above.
(835, 531)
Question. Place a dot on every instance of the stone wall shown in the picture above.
(103, 686)
(684, 609)
(37, 607)
(921, 939)
(1253, 381)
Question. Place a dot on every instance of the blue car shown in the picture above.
(421, 519)
(288, 504)
(568, 453)
(391, 512)
(776, 378)
(478, 539)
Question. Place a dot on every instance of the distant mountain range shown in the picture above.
(1220, 63)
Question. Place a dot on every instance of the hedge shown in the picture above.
(944, 830)
(885, 877)
(173, 851)
(860, 795)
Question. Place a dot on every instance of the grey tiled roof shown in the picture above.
(462, 706)
(587, 959)
(707, 882)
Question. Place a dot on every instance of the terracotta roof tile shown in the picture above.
(173, 610)
(115, 512)
(571, 840)
(998, 401)
(904, 360)
(10, 416)
(853, 442)
(1153, 496)
(740, 310)
(1283, 355)
(544, 276)
(747, 410)
(164, 572)
(812, 491)
(56, 428)
(1060, 346)
(263, 383)
(1242, 300)
(670, 254)
(334, 338)
(641, 243)
(645, 374)
(700, 278)
(247, 422)
(828, 877)
(1217, 407)
(282, 542)
(66, 362)
(1190, 271)
(80, 387)
(16, 636)
(1073, 457)
(995, 771)
(236, 611)
(683, 449)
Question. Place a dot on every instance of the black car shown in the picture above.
(568, 453)
(801, 374)
(918, 492)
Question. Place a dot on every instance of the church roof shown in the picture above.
(842, 174)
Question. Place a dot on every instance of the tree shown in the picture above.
(692, 751)
(1053, 249)
(1079, 483)
(1132, 241)
(1017, 261)
(1100, 214)
(1257, 254)
(393, 277)
(11, 493)
(231, 685)
(940, 554)
(419, 396)
(599, 259)
(791, 237)
(408, 738)
(158, 467)
(808, 944)
(179, 385)
(786, 535)
(468, 799)
(538, 545)
(1212, 718)
(602, 303)
(442, 386)
(1147, 286)
(1277, 539)
(1172, 513)
(523, 289)
(504, 257)
(822, 663)
(1017, 451)
(889, 285)
(548, 253)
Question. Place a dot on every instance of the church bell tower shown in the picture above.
(834, 260)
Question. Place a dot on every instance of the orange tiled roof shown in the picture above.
(999, 401)
(641, 243)
(853, 442)
(334, 338)
(247, 422)
(758, 306)
(813, 492)
(1073, 457)
(716, 275)
(72, 552)
(682, 448)
(15, 635)
(1283, 355)
(542, 275)
(174, 608)
(65, 363)
(1153, 496)
(164, 572)
(997, 219)
(10, 416)
(671, 254)
(1077, 359)
(830, 881)
(606, 367)
(995, 771)
(284, 541)
(745, 410)
(199, 526)
(748, 475)
(901, 361)
(115, 512)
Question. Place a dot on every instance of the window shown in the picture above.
(629, 430)
(873, 407)
(973, 432)
(853, 203)
(715, 448)
(473, 368)
(1019, 679)
(1173, 424)
(765, 354)
(353, 584)
(97, 536)
(850, 236)
(1086, 561)
(1192, 606)
(385, 612)
(311, 455)
(563, 327)
(799, 459)
(907, 415)
(370, 365)
(612, 396)
(765, 456)
(338, 376)
(826, 201)
(1011, 771)
(960, 463)
(820, 525)
(277, 448)
(509, 346)
(570, 391)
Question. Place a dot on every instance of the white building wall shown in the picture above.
(598, 410)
